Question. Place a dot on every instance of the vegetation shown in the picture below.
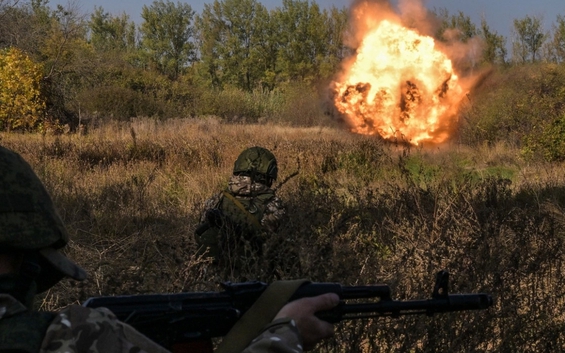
(21, 103)
(359, 211)
(132, 126)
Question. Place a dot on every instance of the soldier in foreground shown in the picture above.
(236, 222)
(31, 236)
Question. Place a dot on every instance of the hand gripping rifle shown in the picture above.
(195, 318)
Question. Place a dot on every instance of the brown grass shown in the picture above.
(360, 212)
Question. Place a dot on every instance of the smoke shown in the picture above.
(366, 14)
(360, 23)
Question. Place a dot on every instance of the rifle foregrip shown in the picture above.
(469, 302)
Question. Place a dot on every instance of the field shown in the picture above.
(359, 212)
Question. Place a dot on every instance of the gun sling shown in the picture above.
(261, 313)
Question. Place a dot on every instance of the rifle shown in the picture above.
(172, 319)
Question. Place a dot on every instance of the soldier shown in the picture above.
(236, 222)
(31, 236)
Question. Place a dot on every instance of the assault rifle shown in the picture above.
(171, 319)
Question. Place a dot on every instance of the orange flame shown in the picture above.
(400, 86)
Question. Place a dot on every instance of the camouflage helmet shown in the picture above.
(257, 162)
(29, 222)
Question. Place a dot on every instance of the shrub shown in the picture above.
(516, 106)
(303, 105)
(21, 102)
(119, 103)
(550, 143)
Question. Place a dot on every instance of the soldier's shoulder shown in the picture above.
(213, 200)
(99, 329)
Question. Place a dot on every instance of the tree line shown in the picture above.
(234, 59)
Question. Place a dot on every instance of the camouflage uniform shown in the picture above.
(242, 187)
(281, 336)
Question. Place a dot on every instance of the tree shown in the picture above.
(236, 43)
(495, 45)
(21, 103)
(555, 47)
(528, 40)
(52, 38)
(109, 32)
(455, 27)
(268, 51)
(24, 24)
(167, 32)
(336, 24)
(304, 33)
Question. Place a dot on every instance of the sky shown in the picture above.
(499, 14)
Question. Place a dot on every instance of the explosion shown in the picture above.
(399, 84)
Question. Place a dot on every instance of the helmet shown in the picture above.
(259, 163)
(29, 222)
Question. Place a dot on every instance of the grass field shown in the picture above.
(359, 212)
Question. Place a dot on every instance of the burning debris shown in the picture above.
(399, 85)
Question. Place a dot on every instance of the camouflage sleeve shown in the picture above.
(281, 336)
(79, 329)
(274, 214)
(209, 204)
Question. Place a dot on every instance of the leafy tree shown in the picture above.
(109, 32)
(21, 103)
(528, 40)
(50, 37)
(268, 51)
(236, 43)
(455, 27)
(304, 36)
(167, 32)
(555, 47)
(24, 24)
(336, 24)
(495, 45)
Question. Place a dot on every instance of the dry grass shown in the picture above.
(359, 212)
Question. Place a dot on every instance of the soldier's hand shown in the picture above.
(311, 328)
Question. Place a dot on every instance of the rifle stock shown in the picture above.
(171, 319)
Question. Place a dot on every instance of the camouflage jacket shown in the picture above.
(281, 336)
(243, 188)
(79, 329)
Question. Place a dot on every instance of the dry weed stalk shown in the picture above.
(359, 212)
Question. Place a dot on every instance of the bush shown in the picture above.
(22, 105)
(303, 105)
(549, 144)
(516, 106)
(119, 103)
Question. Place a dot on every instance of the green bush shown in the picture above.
(303, 105)
(119, 103)
(516, 105)
(549, 144)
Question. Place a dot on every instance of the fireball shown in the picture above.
(400, 86)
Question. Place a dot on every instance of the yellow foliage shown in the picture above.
(22, 105)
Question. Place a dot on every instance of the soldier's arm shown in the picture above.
(296, 328)
(209, 204)
(274, 215)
